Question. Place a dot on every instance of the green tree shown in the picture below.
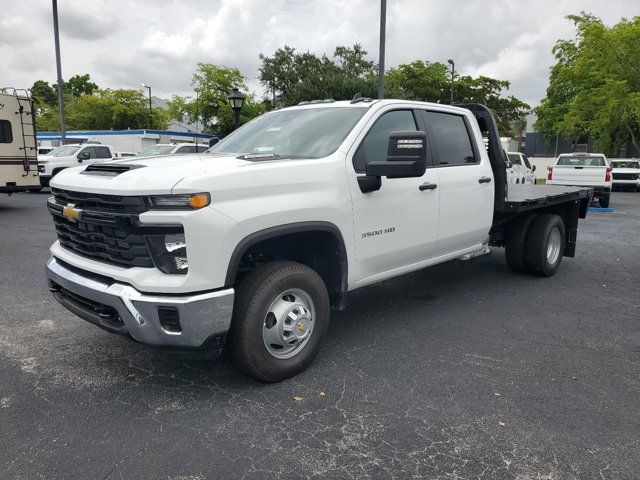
(104, 110)
(80, 85)
(294, 77)
(517, 127)
(43, 94)
(210, 107)
(594, 87)
(431, 82)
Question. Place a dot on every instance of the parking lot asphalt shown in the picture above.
(465, 370)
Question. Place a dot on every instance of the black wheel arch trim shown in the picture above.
(286, 229)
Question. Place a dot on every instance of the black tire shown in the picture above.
(604, 201)
(35, 190)
(515, 244)
(253, 298)
(537, 260)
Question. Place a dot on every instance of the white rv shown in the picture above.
(18, 153)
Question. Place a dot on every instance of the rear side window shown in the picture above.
(581, 161)
(102, 152)
(184, 149)
(375, 145)
(6, 134)
(452, 139)
(202, 149)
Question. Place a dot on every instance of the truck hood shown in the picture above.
(153, 175)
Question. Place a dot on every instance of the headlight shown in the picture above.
(169, 252)
(189, 201)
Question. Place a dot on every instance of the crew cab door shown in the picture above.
(465, 181)
(397, 225)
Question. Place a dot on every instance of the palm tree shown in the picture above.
(517, 129)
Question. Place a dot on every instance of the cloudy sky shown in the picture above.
(121, 43)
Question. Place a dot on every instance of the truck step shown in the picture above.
(485, 250)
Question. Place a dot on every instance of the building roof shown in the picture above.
(83, 134)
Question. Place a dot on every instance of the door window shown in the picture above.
(184, 149)
(375, 145)
(6, 134)
(452, 139)
(202, 148)
(90, 150)
(102, 152)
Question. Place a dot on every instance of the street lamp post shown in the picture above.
(453, 67)
(236, 100)
(383, 29)
(56, 38)
(150, 108)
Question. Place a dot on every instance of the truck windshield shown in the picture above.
(515, 158)
(64, 151)
(296, 133)
(625, 164)
(581, 161)
(157, 150)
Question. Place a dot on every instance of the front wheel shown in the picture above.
(281, 314)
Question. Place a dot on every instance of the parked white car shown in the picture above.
(584, 170)
(67, 156)
(162, 149)
(626, 173)
(521, 171)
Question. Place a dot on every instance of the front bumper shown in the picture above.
(120, 308)
(626, 183)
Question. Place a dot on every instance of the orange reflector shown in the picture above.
(199, 200)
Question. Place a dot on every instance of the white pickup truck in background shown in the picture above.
(584, 170)
(521, 171)
(67, 156)
(262, 235)
(626, 173)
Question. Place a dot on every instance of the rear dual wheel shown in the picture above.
(536, 244)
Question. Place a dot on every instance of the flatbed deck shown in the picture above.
(521, 198)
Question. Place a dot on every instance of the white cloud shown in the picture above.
(123, 42)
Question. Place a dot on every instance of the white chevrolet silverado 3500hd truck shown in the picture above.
(261, 237)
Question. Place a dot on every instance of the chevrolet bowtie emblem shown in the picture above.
(301, 327)
(71, 212)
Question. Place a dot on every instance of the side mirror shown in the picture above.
(508, 164)
(533, 168)
(406, 157)
(83, 156)
(213, 141)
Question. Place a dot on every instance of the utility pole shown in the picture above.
(56, 37)
(383, 28)
(453, 67)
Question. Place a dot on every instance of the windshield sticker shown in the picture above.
(274, 129)
(257, 156)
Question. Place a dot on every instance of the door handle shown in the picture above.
(428, 186)
(484, 180)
